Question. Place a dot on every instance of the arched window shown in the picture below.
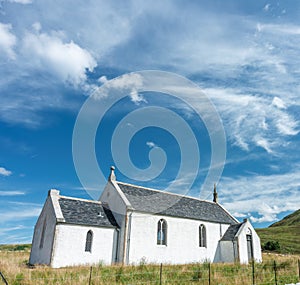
(202, 236)
(89, 241)
(162, 232)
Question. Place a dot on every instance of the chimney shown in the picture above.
(112, 176)
(53, 192)
(215, 194)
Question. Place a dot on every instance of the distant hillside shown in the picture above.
(15, 247)
(286, 232)
(290, 220)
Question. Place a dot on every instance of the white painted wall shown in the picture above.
(182, 243)
(118, 204)
(69, 246)
(242, 242)
(43, 255)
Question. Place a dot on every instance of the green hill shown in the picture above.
(286, 232)
(290, 220)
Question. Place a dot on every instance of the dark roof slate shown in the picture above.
(164, 203)
(87, 212)
(231, 232)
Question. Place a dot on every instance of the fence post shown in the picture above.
(209, 273)
(299, 269)
(3, 278)
(90, 279)
(160, 274)
(253, 272)
(275, 272)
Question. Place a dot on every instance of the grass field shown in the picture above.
(287, 236)
(13, 265)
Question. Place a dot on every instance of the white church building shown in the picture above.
(132, 224)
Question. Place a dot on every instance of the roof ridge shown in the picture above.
(166, 192)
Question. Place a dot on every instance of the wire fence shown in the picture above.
(266, 273)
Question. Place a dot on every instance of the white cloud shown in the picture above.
(287, 125)
(267, 7)
(67, 61)
(5, 172)
(102, 79)
(136, 97)
(7, 40)
(21, 1)
(264, 196)
(128, 83)
(151, 144)
(11, 193)
(37, 26)
(265, 144)
(277, 102)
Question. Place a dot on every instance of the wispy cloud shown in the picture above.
(7, 40)
(11, 193)
(24, 2)
(18, 214)
(4, 230)
(5, 172)
(252, 120)
(267, 7)
(285, 29)
(151, 144)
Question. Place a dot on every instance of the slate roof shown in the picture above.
(231, 232)
(87, 212)
(164, 203)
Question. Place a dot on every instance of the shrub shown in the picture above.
(271, 245)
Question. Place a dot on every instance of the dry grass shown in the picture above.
(14, 267)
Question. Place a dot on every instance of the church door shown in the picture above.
(249, 247)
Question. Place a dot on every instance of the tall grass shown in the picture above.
(14, 267)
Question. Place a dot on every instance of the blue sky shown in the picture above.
(244, 55)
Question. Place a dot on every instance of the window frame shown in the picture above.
(89, 241)
(162, 232)
(202, 236)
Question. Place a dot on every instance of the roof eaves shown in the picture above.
(123, 196)
(89, 225)
(243, 224)
(232, 217)
(81, 199)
